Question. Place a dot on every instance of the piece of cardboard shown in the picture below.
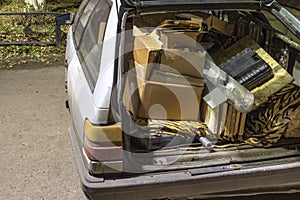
(216, 118)
(242, 125)
(232, 124)
(168, 77)
(228, 122)
(166, 101)
(237, 123)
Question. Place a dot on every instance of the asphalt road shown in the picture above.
(36, 159)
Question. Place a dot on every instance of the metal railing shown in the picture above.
(33, 28)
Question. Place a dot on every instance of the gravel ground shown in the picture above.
(36, 156)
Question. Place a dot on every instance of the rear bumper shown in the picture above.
(183, 184)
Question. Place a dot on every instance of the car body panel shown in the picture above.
(104, 86)
(83, 102)
(182, 184)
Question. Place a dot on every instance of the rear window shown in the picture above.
(89, 34)
(81, 18)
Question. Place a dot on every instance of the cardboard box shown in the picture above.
(167, 100)
(158, 100)
(180, 33)
(149, 53)
(147, 49)
(193, 24)
(179, 39)
(211, 22)
(183, 62)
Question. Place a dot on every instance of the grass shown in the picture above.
(32, 28)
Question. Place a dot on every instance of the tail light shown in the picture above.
(102, 143)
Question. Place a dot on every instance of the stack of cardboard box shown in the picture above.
(168, 73)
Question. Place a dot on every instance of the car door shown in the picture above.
(85, 55)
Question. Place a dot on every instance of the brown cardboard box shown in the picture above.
(221, 26)
(169, 101)
(194, 24)
(146, 49)
(212, 23)
(183, 62)
(179, 39)
(158, 100)
(180, 33)
(148, 52)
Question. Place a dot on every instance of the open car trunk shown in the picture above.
(209, 91)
